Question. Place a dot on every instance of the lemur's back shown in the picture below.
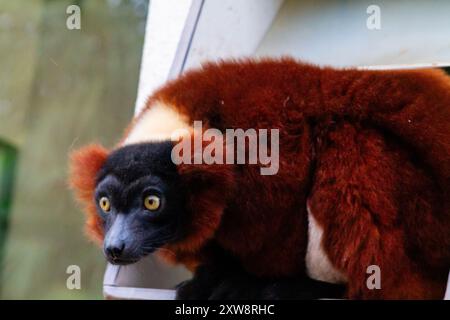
(405, 114)
(412, 105)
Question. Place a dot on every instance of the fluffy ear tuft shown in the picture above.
(84, 166)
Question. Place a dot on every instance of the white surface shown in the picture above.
(334, 32)
(126, 293)
(404, 66)
(230, 28)
(447, 294)
(165, 24)
(149, 272)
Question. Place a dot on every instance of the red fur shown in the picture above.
(84, 165)
(369, 149)
(379, 208)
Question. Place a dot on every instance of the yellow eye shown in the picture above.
(152, 202)
(104, 204)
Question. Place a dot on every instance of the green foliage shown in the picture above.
(8, 157)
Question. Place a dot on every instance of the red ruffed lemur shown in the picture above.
(363, 179)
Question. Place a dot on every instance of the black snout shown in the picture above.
(114, 251)
(120, 243)
(119, 253)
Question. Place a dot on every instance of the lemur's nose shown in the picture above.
(115, 250)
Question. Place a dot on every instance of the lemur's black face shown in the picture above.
(140, 200)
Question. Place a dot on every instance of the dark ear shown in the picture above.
(84, 166)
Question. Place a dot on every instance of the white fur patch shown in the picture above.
(318, 265)
(160, 122)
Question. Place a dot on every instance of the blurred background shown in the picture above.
(59, 89)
